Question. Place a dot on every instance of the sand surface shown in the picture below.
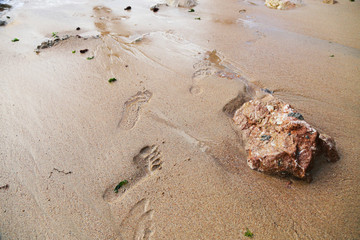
(68, 136)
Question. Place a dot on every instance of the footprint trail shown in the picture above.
(148, 161)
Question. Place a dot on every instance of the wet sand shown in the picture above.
(69, 137)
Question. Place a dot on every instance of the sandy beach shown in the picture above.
(69, 137)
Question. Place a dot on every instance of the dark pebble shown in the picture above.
(5, 186)
(2, 23)
(84, 50)
(155, 9)
(78, 28)
(128, 8)
(267, 90)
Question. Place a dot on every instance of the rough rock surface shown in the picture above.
(282, 4)
(278, 140)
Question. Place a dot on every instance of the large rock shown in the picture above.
(278, 140)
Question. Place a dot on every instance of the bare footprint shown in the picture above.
(214, 64)
(147, 162)
(131, 109)
(138, 224)
(102, 16)
(195, 90)
(105, 20)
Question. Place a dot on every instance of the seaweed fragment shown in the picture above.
(90, 58)
(197, 18)
(122, 183)
(15, 40)
(192, 10)
(112, 80)
(248, 233)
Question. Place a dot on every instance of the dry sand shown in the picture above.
(68, 137)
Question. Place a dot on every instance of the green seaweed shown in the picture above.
(122, 183)
(54, 34)
(74, 51)
(90, 58)
(112, 80)
(15, 40)
(192, 10)
(248, 233)
(197, 18)
(332, 55)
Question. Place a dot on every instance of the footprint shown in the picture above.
(149, 157)
(213, 64)
(131, 109)
(138, 224)
(147, 162)
(257, 35)
(102, 15)
(195, 90)
(106, 21)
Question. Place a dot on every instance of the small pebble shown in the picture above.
(78, 28)
(128, 8)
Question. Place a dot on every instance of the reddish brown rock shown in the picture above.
(278, 140)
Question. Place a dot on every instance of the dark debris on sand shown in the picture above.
(4, 6)
(5, 187)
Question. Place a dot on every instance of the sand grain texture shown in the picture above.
(161, 125)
